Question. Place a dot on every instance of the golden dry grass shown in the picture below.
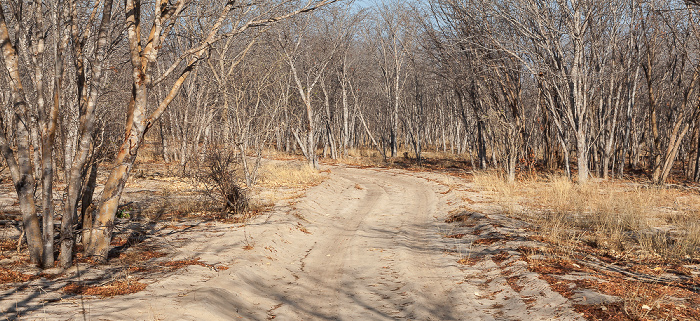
(288, 174)
(620, 218)
(643, 231)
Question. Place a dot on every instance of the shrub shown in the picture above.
(220, 174)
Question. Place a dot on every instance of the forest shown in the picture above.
(595, 89)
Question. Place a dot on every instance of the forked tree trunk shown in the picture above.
(85, 142)
(662, 171)
(101, 232)
(138, 122)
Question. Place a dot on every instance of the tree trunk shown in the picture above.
(24, 186)
(512, 155)
(481, 143)
(329, 129)
(87, 208)
(85, 142)
(582, 157)
(20, 168)
(101, 231)
(671, 152)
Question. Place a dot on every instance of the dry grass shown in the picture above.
(456, 236)
(630, 238)
(622, 219)
(183, 263)
(288, 174)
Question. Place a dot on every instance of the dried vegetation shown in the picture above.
(621, 219)
(288, 174)
(110, 289)
(639, 244)
(157, 201)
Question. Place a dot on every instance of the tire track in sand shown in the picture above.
(382, 257)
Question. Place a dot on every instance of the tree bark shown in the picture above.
(85, 141)
(21, 168)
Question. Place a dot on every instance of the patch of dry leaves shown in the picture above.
(640, 297)
(12, 276)
(113, 288)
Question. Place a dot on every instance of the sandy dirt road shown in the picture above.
(366, 244)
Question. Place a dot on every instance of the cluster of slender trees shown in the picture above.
(594, 88)
(86, 79)
(590, 87)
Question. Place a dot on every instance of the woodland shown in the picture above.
(594, 89)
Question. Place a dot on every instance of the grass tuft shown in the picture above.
(275, 174)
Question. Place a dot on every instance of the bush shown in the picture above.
(220, 174)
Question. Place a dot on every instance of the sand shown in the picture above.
(366, 244)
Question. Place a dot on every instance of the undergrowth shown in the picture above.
(625, 220)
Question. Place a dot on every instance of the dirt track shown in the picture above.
(364, 245)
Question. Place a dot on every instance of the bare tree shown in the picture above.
(166, 17)
(389, 37)
(308, 67)
(671, 82)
